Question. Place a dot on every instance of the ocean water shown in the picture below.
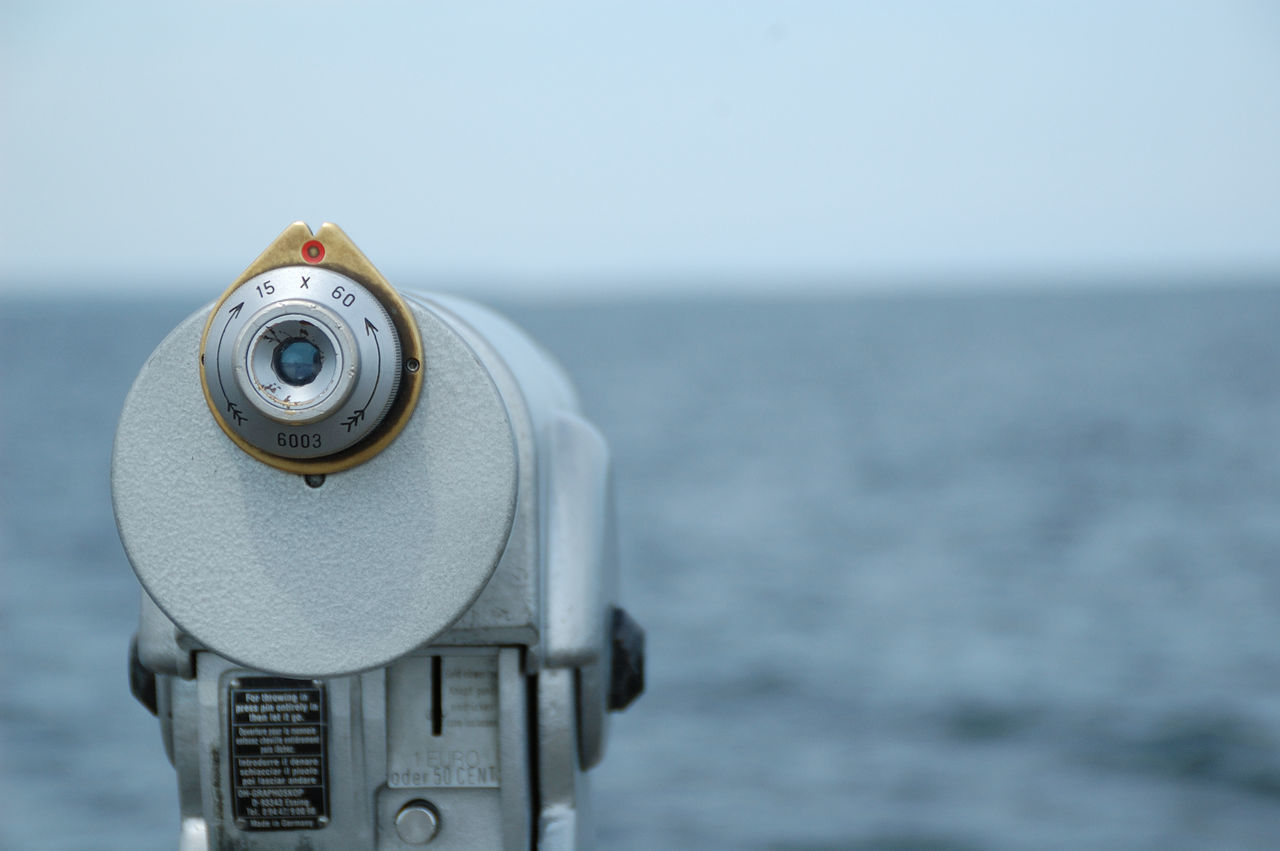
(927, 573)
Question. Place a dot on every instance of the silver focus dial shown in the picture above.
(301, 362)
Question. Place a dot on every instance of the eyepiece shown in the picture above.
(311, 362)
(301, 362)
(297, 361)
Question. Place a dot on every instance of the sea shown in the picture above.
(938, 572)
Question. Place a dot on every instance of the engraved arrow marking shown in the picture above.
(370, 330)
(231, 406)
(354, 419)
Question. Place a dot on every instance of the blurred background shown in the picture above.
(936, 348)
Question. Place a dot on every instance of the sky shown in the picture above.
(602, 148)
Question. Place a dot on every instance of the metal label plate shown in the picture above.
(278, 737)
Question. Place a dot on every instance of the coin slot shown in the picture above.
(437, 695)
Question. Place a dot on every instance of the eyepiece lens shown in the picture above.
(297, 361)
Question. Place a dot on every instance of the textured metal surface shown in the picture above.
(204, 767)
(364, 808)
(475, 769)
(160, 646)
(579, 587)
(494, 448)
(315, 581)
(535, 388)
(580, 569)
(564, 814)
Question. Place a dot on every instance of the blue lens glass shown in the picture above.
(297, 361)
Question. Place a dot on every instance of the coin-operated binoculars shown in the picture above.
(375, 540)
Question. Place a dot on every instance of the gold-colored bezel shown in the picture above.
(341, 255)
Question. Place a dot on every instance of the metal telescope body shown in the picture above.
(412, 641)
